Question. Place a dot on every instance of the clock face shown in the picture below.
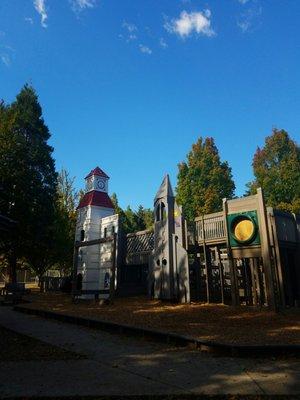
(100, 184)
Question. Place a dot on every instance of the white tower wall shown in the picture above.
(91, 220)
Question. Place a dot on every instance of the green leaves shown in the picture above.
(276, 169)
(65, 222)
(133, 221)
(28, 179)
(203, 181)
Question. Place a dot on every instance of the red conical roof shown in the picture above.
(95, 198)
(97, 171)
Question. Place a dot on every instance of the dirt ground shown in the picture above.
(219, 323)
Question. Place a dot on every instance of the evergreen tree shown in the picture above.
(115, 202)
(203, 181)
(145, 218)
(132, 221)
(123, 218)
(65, 222)
(276, 169)
(28, 179)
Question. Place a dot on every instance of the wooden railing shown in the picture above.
(210, 227)
(139, 245)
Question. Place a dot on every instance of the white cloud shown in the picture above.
(145, 49)
(243, 1)
(130, 27)
(244, 25)
(40, 7)
(189, 23)
(5, 59)
(6, 51)
(79, 5)
(250, 20)
(163, 43)
(131, 37)
(29, 20)
(130, 32)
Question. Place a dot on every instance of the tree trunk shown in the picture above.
(13, 267)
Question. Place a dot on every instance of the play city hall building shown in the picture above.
(245, 254)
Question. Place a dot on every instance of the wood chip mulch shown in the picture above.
(219, 323)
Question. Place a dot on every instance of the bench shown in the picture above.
(78, 293)
(12, 293)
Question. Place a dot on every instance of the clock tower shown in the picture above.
(95, 219)
(97, 180)
(96, 194)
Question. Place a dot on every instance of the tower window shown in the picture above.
(105, 233)
(82, 235)
(163, 211)
(157, 213)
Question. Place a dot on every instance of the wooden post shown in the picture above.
(74, 272)
(198, 272)
(206, 264)
(276, 256)
(248, 289)
(255, 282)
(265, 250)
(113, 269)
(234, 287)
(297, 257)
(221, 274)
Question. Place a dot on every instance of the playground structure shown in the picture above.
(245, 254)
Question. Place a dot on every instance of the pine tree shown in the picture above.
(126, 228)
(144, 218)
(65, 222)
(276, 169)
(28, 179)
(133, 221)
(203, 181)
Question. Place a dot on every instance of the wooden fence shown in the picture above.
(210, 228)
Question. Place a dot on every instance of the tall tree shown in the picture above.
(133, 221)
(276, 169)
(204, 180)
(28, 179)
(65, 222)
(145, 218)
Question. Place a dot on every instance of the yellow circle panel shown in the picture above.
(244, 230)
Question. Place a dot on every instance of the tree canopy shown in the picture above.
(27, 180)
(276, 169)
(203, 180)
(133, 221)
(65, 222)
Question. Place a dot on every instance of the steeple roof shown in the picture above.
(97, 171)
(95, 198)
(165, 189)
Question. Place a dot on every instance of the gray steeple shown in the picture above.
(165, 189)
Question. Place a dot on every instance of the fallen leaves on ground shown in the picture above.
(214, 322)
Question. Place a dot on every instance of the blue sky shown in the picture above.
(129, 85)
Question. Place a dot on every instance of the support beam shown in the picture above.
(265, 250)
(207, 272)
(112, 286)
(235, 298)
